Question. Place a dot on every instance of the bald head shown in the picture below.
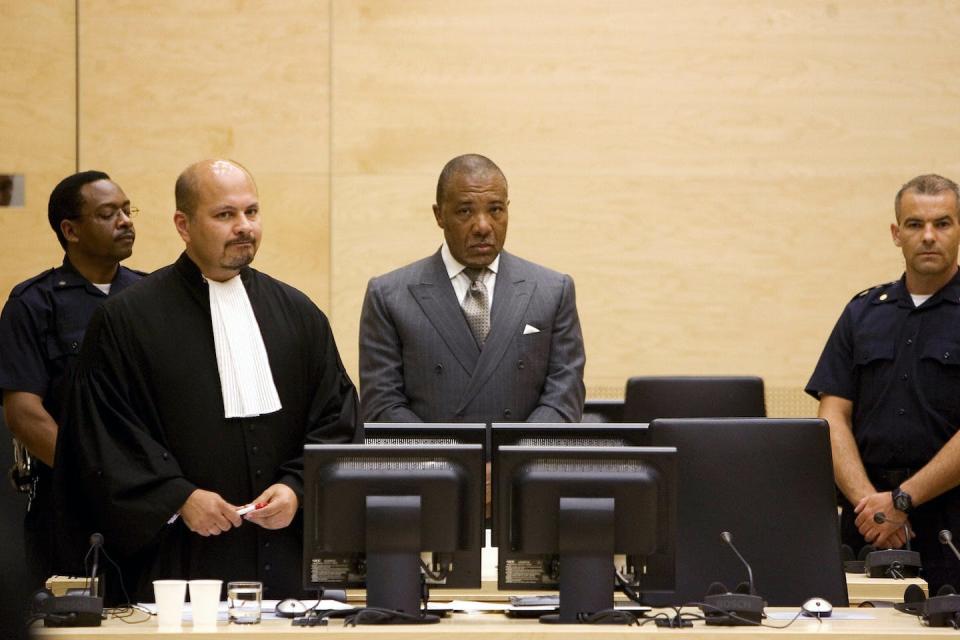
(467, 164)
(193, 179)
(218, 217)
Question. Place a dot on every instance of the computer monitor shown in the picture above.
(371, 511)
(417, 433)
(570, 515)
(552, 434)
(769, 482)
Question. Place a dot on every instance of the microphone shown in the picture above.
(96, 541)
(745, 607)
(946, 538)
(727, 537)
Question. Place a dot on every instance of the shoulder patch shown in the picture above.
(876, 287)
(26, 284)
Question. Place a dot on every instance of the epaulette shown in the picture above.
(873, 288)
(26, 284)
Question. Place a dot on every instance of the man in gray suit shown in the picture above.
(471, 333)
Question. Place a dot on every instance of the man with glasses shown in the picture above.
(41, 328)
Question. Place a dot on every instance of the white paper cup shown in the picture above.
(204, 602)
(169, 595)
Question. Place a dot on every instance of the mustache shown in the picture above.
(242, 240)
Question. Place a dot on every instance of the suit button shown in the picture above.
(507, 413)
(73, 347)
(438, 368)
(900, 412)
(520, 364)
(258, 473)
(267, 567)
(254, 449)
(165, 455)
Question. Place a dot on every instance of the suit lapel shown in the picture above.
(439, 303)
(511, 296)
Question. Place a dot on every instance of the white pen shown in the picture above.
(242, 511)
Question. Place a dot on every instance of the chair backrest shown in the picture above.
(652, 397)
(602, 411)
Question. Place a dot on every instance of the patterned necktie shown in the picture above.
(475, 305)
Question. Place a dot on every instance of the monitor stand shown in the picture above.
(586, 543)
(393, 555)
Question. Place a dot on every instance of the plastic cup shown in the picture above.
(169, 595)
(205, 602)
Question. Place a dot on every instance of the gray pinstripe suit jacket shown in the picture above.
(419, 361)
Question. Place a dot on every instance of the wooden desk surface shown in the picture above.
(888, 623)
(860, 588)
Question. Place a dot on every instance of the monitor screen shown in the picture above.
(571, 515)
(769, 482)
(372, 511)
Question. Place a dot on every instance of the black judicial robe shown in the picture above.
(145, 427)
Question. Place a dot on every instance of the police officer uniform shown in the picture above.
(900, 366)
(41, 329)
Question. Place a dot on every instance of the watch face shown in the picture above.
(902, 502)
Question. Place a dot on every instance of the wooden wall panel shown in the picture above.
(36, 128)
(718, 177)
(166, 84)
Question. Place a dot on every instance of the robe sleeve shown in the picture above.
(114, 473)
(333, 414)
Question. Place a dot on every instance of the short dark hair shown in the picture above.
(467, 163)
(929, 184)
(66, 201)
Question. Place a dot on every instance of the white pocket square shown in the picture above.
(528, 329)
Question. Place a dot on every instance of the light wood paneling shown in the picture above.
(36, 128)
(166, 84)
(718, 177)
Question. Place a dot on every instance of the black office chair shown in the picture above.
(651, 397)
(602, 411)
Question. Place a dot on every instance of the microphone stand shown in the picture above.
(734, 609)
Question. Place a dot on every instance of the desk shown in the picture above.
(890, 624)
(859, 587)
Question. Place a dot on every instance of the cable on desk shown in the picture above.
(745, 621)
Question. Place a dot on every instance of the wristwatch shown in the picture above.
(901, 500)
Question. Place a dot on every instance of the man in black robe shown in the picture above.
(148, 455)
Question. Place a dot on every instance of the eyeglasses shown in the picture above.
(109, 214)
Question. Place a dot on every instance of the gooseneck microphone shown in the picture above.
(721, 607)
(727, 537)
(96, 541)
(946, 538)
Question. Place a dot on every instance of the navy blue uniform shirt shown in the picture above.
(900, 366)
(42, 327)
